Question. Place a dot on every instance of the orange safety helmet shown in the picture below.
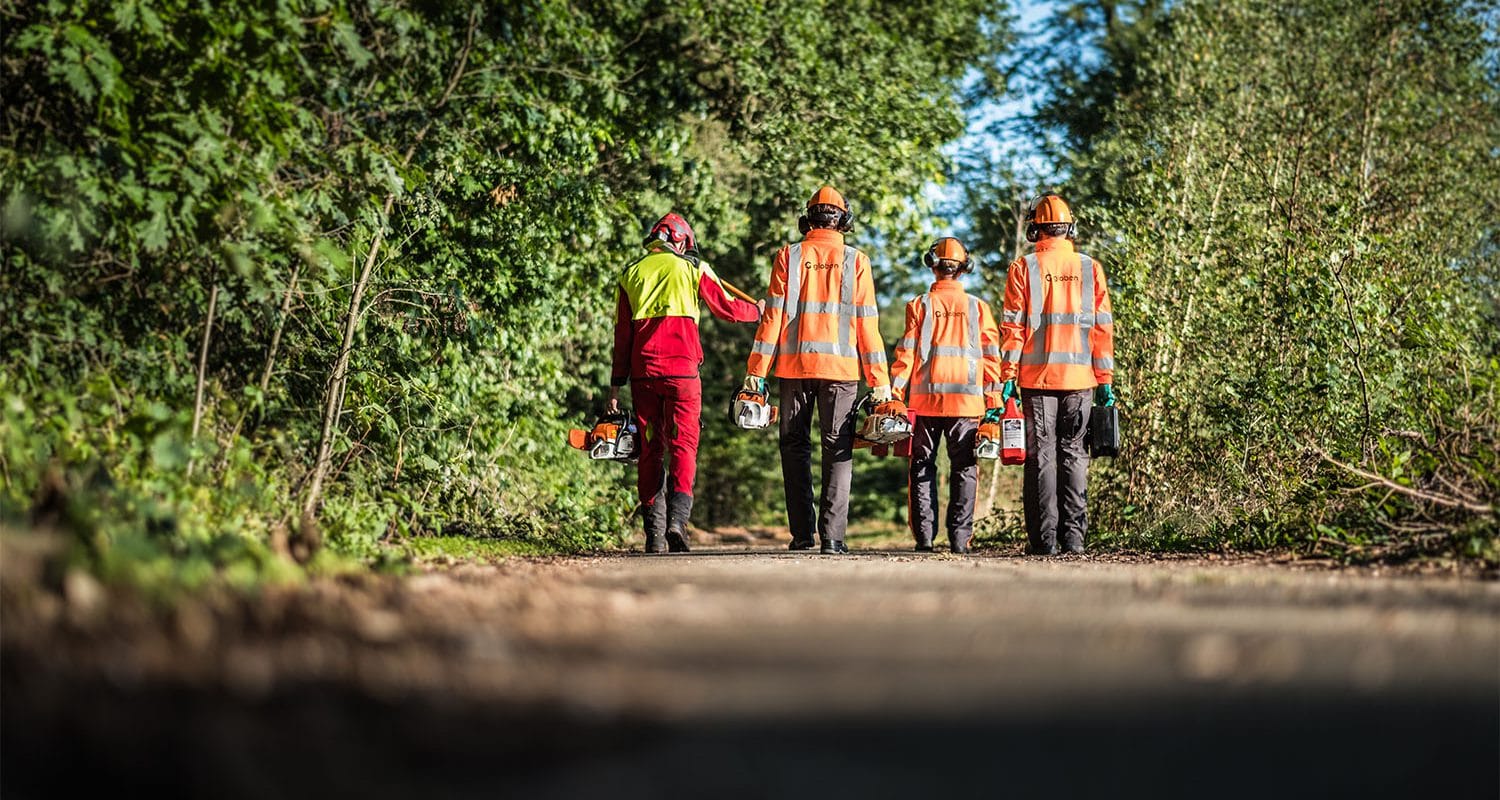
(826, 209)
(1050, 211)
(950, 250)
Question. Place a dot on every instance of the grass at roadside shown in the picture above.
(439, 548)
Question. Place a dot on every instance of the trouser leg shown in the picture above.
(651, 466)
(681, 418)
(798, 400)
(681, 408)
(921, 480)
(1072, 470)
(1039, 491)
(836, 416)
(963, 480)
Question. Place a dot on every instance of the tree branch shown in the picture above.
(1419, 494)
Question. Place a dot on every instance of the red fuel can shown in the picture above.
(1012, 434)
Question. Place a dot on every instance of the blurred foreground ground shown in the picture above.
(739, 673)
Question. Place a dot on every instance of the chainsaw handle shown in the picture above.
(734, 290)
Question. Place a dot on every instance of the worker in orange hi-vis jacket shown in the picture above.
(820, 329)
(1057, 332)
(947, 369)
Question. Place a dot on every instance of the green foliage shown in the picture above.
(493, 164)
(1296, 203)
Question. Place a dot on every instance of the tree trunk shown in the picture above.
(308, 538)
(208, 330)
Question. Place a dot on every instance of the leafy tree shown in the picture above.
(320, 266)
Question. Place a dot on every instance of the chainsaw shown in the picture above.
(885, 423)
(751, 411)
(613, 438)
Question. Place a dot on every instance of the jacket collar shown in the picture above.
(947, 285)
(1060, 244)
(824, 236)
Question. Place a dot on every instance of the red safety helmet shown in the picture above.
(675, 232)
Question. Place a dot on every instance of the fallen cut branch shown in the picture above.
(1430, 497)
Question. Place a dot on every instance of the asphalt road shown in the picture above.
(766, 674)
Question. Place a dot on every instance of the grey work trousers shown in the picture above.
(1055, 491)
(834, 401)
(963, 480)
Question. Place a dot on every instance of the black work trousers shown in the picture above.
(834, 401)
(963, 479)
(1055, 491)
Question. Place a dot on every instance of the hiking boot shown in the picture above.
(679, 508)
(802, 544)
(831, 548)
(923, 547)
(1043, 549)
(654, 517)
(959, 548)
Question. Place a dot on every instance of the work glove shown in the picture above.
(881, 394)
(1104, 395)
(754, 384)
(1008, 391)
(991, 415)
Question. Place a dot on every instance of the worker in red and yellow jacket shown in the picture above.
(1057, 333)
(658, 352)
(947, 369)
(820, 329)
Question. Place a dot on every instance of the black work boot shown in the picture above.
(832, 548)
(959, 546)
(923, 547)
(802, 544)
(654, 517)
(679, 508)
(1042, 547)
(1073, 546)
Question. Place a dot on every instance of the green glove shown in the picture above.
(991, 415)
(1008, 391)
(1104, 395)
(753, 383)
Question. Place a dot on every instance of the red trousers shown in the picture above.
(667, 410)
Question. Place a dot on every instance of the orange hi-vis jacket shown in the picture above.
(951, 344)
(1057, 330)
(820, 319)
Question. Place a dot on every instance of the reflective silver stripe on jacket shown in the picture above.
(954, 388)
(970, 351)
(846, 298)
(844, 308)
(1037, 322)
(792, 321)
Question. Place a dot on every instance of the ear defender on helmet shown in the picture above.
(951, 250)
(1046, 215)
(826, 209)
